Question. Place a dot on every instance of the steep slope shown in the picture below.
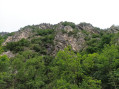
(52, 38)
(63, 34)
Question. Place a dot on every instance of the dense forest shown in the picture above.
(37, 64)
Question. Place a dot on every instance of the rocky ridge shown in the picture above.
(63, 35)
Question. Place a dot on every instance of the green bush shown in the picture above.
(18, 46)
(43, 32)
(95, 35)
(48, 39)
(68, 23)
(63, 31)
(1, 40)
(36, 41)
(85, 32)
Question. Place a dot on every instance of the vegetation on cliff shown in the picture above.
(61, 56)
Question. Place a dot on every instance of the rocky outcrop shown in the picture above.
(87, 27)
(45, 26)
(113, 29)
(63, 40)
(8, 53)
(19, 35)
(68, 28)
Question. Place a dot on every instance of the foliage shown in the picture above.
(64, 31)
(4, 72)
(69, 72)
(115, 39)
(97, 42)
(43, 32)
(68, 23)
(85, 32)
(4, 62)
(17, 46)
(1, 40)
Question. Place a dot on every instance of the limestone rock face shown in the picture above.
(68, 28)
(8, 53)
(45, 26)
(63, 40)
(113, 29)
(19, 35)
(87, 27)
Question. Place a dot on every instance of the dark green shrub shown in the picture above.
(37, 48)
(85, 32)
(48, 39)
(91, 49)
(95, 35)
(105, 39)
(68, 23)
(36, 41)
(23, 42)
(18, 46)
(1, 40)
(43, 32)
(63, 31)
(87, 38)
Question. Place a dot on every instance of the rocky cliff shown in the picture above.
(65, 33)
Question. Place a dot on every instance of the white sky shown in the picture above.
(15, 14)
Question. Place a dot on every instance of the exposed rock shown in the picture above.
(63, 40)
(8, 53)
(85, 26)
(113, 29)
(88, 27)
(59, 27)
(45, 26)
(68, 28)
(19, 35)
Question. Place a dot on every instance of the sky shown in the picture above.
(15, 14)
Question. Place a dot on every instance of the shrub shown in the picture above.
(68, 23)
(95, 35)
(17, 46)
(44, 32)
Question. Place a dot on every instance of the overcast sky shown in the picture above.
(15, 14)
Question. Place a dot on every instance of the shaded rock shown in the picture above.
(19, 35)
(68, 28)
(87, 27)
(113, 29)
(9, 54)
(63, 40)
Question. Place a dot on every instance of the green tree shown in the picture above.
(107, 62)
(69, 69)
(5, 77)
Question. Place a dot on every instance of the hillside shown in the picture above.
(61, 35)
(60, 56)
